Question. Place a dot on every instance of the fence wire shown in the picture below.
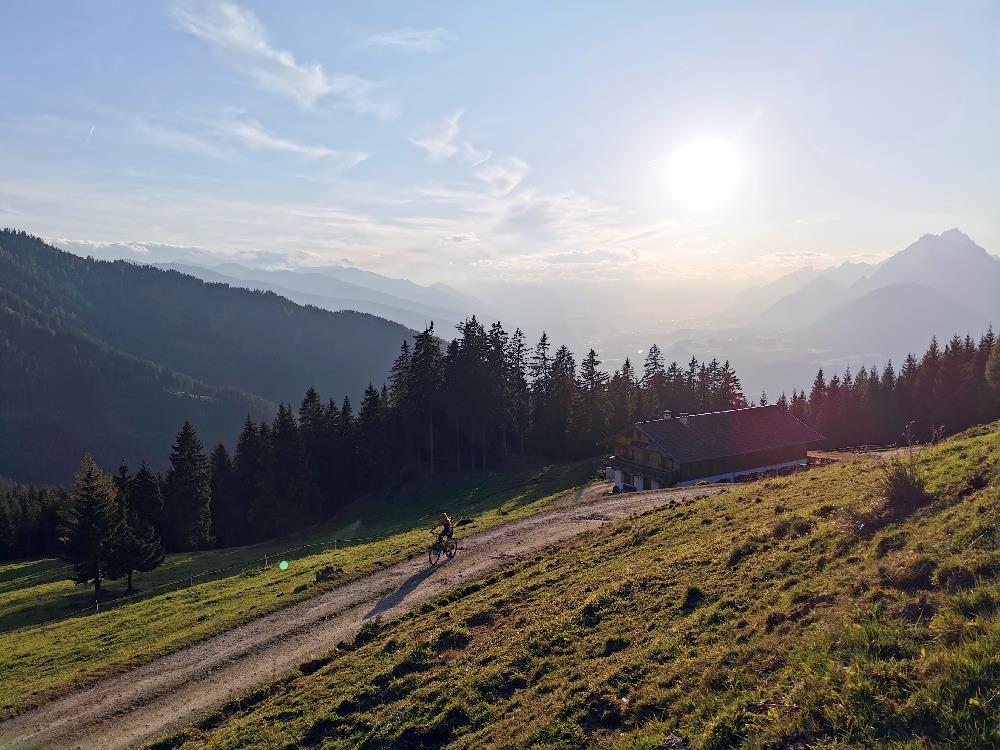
(258, 563)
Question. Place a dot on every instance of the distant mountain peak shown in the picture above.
(956, 235)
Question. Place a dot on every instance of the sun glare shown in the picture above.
(704, 173)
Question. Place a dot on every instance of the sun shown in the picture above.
(702, 174)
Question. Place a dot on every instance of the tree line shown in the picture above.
(465, 405)
(946, 390)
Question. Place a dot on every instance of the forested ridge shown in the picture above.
(470, 404)
(104, 356)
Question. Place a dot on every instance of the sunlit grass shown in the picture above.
(39, 661)
(812, 635)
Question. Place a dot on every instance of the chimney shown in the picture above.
(683, 417)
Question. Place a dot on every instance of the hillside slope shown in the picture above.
(325, 292)
(798, 612)
(891, 321)
(113, 357)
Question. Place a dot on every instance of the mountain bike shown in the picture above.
(447, 547)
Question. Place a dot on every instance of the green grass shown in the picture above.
(760, 618)
(40, 661)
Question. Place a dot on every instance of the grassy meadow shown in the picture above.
(40, 661)
(809, 611)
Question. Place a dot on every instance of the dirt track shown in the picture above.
(175, 690)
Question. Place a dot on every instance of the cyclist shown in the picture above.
(447, 527)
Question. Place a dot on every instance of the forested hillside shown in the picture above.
(111, 357)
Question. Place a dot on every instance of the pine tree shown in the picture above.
(592, 424)
(654, 381)
(312, 427)
(423, 389)
(147, 499)
(372, 453)
(138, 547)
(188, 494)
(91, 527)
(228, 511)
(520, 404)
(816, 397)
(993, 368)
(292, 494)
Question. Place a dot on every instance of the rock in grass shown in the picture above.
(672, 742)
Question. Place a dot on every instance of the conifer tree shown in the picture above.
(188, 494)
(423, 389)
(147, 498)
(520, 405)
(654, 382)
(228, 511)
(370, 430)
(993, 368)
(91, 527)
(292, 493)
(137, 547)
(592, 409)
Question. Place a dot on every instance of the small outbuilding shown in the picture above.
(717, 446)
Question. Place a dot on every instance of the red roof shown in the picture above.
(721, 434)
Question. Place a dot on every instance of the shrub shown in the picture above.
(902, 486)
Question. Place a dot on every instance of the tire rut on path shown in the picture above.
(175, 690)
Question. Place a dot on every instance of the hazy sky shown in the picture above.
(463, 140)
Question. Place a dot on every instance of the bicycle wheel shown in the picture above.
(450, 548)
(434, 553)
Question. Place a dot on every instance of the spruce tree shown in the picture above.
(592, 423)
(147, 498)
(227, 510)
(188, 494)
(423, 390)
(520, 403)
(91, 526)
(654, 382)
(993, 369)
(248, 479)
(138, 547)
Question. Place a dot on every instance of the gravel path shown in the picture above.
(140, 705)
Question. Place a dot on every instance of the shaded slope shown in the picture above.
(891, 321)
(950, 263)
(208, 342)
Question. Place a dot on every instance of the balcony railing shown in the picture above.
(665, 476)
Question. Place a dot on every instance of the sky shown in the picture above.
(473, 142)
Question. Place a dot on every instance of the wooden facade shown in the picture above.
(718, 446)
(635, 457)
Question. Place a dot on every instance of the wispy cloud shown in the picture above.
(241, 39)
(441, 142)
(255, 137)
(177, 140)
(411, 40)
(503, 174)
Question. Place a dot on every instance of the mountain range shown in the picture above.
(111, 358)
(854, 314)
(338, 288)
